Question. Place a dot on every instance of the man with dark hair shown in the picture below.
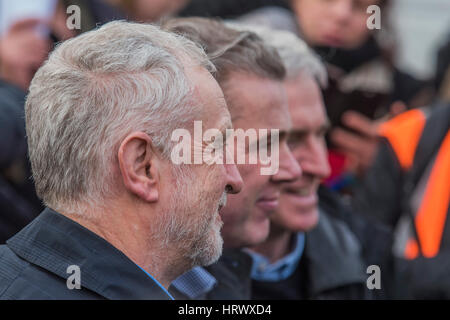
(22, 51)
(245, 66)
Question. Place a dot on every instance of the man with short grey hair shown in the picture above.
(122, 220)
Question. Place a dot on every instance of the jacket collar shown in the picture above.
(263, 270)
(333, 256)
(54, 242)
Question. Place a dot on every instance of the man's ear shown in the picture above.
(138, 164)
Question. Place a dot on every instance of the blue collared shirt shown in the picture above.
(195, 283)
(263, 270)
(157, 282)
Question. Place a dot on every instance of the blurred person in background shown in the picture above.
(251, 76)
(27, 35)
(364, 85)
(399, 142)
(28, 31)
(408, 190)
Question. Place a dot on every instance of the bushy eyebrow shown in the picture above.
(282, 134)
(323, 128)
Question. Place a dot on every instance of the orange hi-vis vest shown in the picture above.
(421, 231)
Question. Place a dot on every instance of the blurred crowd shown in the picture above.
(384, 176)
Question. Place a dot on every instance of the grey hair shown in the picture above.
(230, 50)
(296, 55)
(91, 93)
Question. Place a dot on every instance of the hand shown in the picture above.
(22, 52)
(360, 147)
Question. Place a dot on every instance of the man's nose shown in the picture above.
(314, 162)
(289, 168)
(342, 10)
(234, 179)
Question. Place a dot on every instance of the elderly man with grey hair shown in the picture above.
(122, 220)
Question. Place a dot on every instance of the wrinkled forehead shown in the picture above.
(306, 103)
(209, 96)
(258, 103)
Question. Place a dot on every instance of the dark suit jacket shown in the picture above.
(34, 264)
(330, 268)
(232, 273)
